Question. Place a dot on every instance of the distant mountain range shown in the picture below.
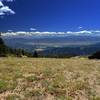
(71, 51)
(55, 45)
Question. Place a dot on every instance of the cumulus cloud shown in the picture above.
(7, 0)
(5, 10)
(81, 32)
(68, 33)
(1, 4)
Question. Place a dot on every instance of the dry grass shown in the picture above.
(49, 79)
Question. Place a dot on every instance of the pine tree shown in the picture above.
(35, 54)
(1, 41)
(3, 48)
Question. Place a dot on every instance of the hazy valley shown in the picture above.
(55, 45)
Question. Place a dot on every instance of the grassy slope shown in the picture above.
(49, 79)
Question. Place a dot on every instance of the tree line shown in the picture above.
(6, 51)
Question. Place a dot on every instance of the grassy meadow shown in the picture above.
(49, 79)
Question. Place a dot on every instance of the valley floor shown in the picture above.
(49, 79)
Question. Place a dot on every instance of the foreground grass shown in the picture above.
(49, 79)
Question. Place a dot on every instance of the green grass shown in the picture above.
(49, 79)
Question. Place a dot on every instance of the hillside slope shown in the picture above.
(7, 51)
(49, 79)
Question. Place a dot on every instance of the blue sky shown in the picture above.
(49, 15)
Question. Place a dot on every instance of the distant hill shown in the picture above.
(7, 51)
(70, 51)
(56, 46)
(33, 42)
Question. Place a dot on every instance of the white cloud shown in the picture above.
(33, 29)
(68, 33)
(7, 0)
(21, 32)
(5, 10)
(1, 13)
(80, 27)
(1, 4)
(80, 32)
(10, 30)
